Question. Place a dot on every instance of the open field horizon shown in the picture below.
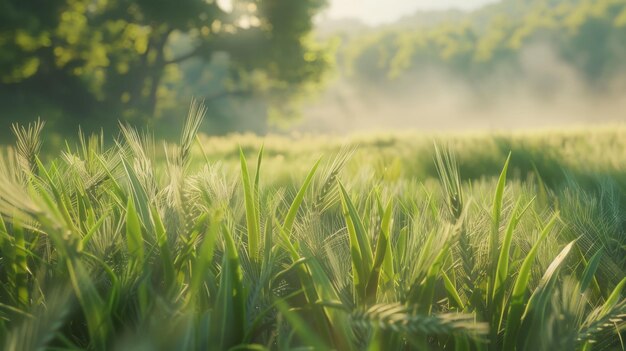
(409, 153)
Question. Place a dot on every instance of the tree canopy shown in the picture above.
(92, 62)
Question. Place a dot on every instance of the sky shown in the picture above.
(375, 12)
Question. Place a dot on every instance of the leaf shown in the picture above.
(230, 323)
(452, 291)
(613, 297)
(536, 314)
(502, 270)
(134, 238)
(300, 327)
(204, 257)
(427, 292)
(517, 302)
(496, 213)
(257, 176)
(252, 215)
(297, 201)
(360, 249)
(381, 250)
(98, 322)
(550, 272)
(590, 270)
(164, 249)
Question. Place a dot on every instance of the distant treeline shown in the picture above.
(588, 36)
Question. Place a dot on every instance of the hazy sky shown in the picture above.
(381, 11)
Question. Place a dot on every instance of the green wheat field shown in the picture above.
(377, 242)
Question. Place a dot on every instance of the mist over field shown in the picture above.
(506, 65)
(547, 93)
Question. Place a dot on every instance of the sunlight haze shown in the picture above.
(375, 12)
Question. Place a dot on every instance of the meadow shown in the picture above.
(398, 241)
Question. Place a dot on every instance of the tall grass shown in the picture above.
(119, 248)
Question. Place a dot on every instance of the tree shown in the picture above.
(95, 60)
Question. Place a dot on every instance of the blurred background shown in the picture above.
(313, 66)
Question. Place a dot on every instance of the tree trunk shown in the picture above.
(156, 73)
(147, 76)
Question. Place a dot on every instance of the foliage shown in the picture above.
(99, 61)
(588, 35)
(121, 248)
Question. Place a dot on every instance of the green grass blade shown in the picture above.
(590, 270)
(90, 233)
(300, 327)
(231, 299)
(496, 213)
(537, 312)
(252, 216)
(60, 205)
(138, 193)
(502, 270)
(20, 266)
(297, 201)
(361, 235)
(98, 322)
(268, 245)
(613, 297)
(388, 270)
(134, 238)
(427, 293)
(452, 291)
(204, 256)
(381, 250)
(360, 250)
(164, 248)
(257, 175)
(550, 272)
(518, 301)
